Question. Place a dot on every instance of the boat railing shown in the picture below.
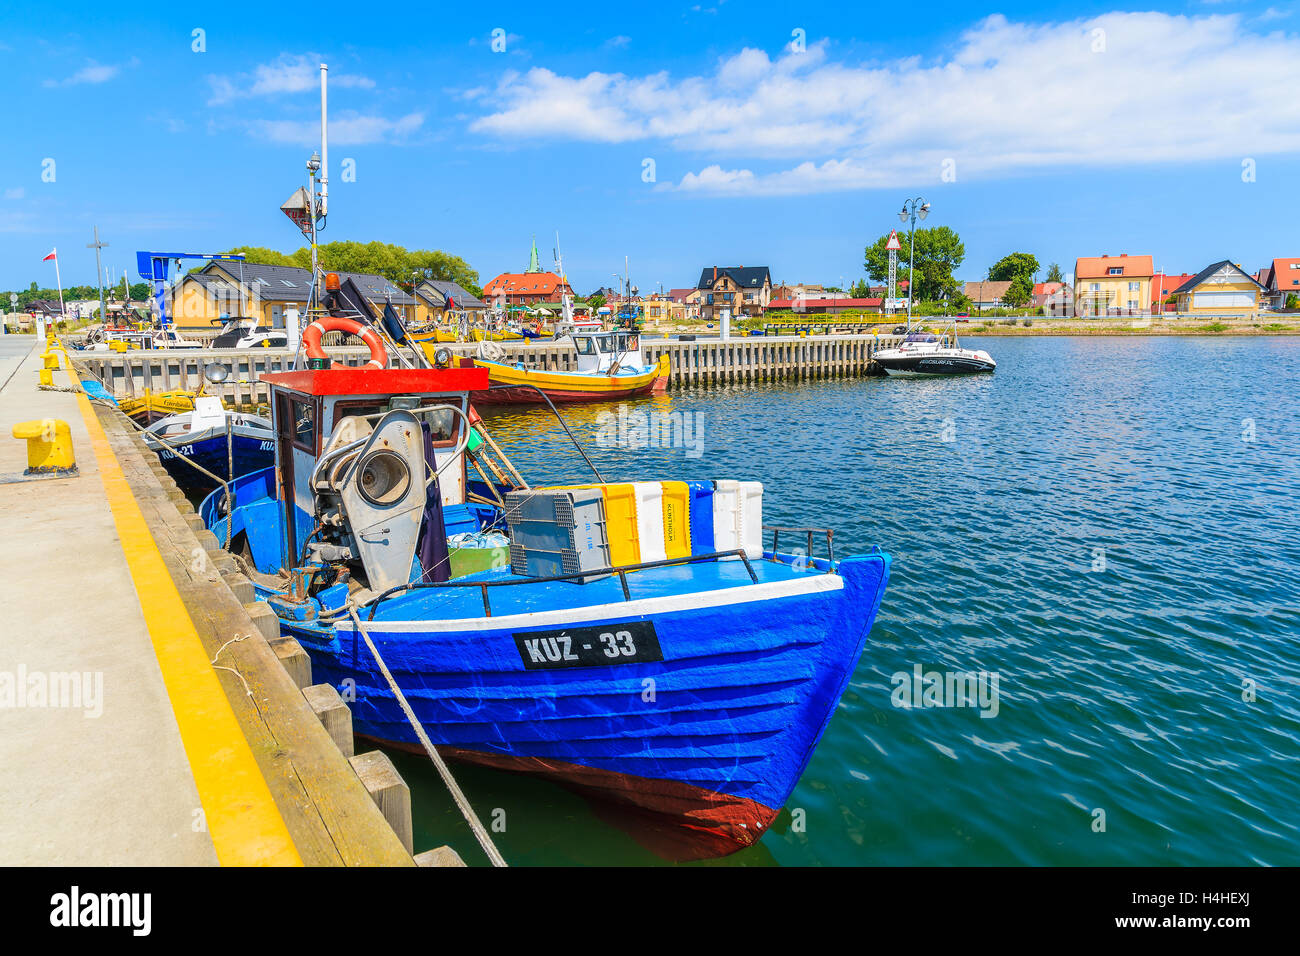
(829, 533)
(622, 572)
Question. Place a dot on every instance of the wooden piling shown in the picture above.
(389, 791)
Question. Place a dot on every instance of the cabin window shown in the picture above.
(585, 346)
(304, 423)
(443, 423)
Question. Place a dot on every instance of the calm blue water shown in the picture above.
(1108, 524)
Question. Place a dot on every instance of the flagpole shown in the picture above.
(59, 279)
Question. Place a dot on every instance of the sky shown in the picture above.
(679, 135)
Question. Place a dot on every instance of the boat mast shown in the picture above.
(566, 300)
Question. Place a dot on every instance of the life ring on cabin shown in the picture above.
(311, 337)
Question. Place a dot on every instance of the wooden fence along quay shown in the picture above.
(700, 362)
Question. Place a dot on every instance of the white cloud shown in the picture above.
(16, 192)
(618, 41)
(288, 73)
(92, 73)
(1006, 98)
(346, 129)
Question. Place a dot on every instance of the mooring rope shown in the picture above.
(480, 832)
(173, 446)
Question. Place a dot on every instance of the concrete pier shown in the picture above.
(149, 715)
(106, 783)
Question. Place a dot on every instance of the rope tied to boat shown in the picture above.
(462, 803)
(174, 447)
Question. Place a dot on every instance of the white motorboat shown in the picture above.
(926, 354)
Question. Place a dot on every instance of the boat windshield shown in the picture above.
(921, 337)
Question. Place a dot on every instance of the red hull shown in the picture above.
(703, 824)
(526, 396)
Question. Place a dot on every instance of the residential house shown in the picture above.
(432, 296)
(225, 289)
(663, 307)
(1280, 280)
(1221, 288)
(526, 289)
(689, 300)
(1054, 298)
(532, 288)
(47, 308)
(1162, 291)
(745, 290)
(795, 290)
(900, 286)
(986, 293)
(1113, 285)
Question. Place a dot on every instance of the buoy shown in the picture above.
(49, 446)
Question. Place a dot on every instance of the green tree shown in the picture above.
(595, 301)
(939, 253)
(860, 290)
(1014, 265)
(260, 255)
(1020, 291)
(1054, 273)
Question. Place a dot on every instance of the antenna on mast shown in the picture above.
(324, 147)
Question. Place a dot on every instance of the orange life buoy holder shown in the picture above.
(311, 337)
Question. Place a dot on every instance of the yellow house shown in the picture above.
(662, 308)
(1113, 285)
(432, 296)
(222, 290)
(1222, 288)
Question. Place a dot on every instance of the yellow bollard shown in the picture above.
(51, 360)
(49, 447)
(47, 377)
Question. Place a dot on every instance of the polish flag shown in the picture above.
(54, 254)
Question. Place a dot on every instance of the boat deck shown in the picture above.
(529, 596)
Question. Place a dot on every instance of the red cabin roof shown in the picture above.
(380, 381)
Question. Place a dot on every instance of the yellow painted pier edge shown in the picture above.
(240, 814)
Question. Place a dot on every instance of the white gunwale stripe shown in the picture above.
(746, 594)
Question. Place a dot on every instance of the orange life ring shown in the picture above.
(311, 337)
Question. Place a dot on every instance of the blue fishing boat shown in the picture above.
(637, 641)
(223, 443)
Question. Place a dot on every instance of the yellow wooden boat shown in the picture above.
(504, 335)
(152, 406)
(434, 334)
(609, 366)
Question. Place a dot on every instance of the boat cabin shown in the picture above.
(598, 351)
(327, 424)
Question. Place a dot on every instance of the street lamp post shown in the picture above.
(913, 209)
